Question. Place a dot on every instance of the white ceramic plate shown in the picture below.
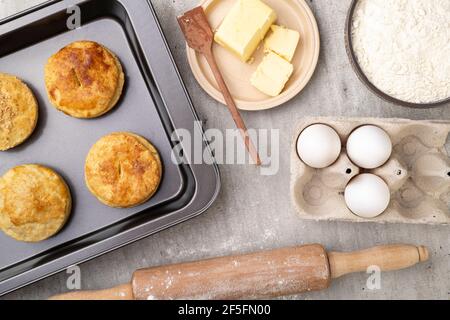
(294, 14)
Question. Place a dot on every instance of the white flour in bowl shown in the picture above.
(403, 47)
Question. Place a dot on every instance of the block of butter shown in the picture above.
(244, 27)
(272, 74)
(282, 41)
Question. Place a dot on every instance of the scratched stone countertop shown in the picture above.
(254, 212)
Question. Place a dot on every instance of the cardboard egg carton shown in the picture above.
(418, 174)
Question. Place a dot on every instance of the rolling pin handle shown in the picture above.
(424, 254)
(122, 292)
(387, 258)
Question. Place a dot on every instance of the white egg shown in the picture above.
(367, 195)
(319, 146)
(369, 147)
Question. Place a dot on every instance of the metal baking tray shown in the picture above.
(155, 103)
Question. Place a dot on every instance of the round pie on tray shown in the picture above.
(35, 203)
(18, 112)
(84, 79)
(123, 170)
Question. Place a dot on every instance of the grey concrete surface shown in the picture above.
(254, 212)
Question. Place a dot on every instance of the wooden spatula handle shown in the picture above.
(199, 36)
(258, 275)
(233, 108)
(387, 258)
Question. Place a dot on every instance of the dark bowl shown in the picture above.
(359, 72)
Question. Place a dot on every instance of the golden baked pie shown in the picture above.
(18, 112)
(123, 170)
(35, 203)
(84, 79)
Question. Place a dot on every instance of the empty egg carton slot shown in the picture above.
(417, 173)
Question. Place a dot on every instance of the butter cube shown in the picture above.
(282, 41)
(245, 27)
(272, 74)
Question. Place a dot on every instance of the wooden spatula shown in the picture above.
(199, 36)
(266, 274)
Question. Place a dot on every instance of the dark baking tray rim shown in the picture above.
(202, 183)
(361, 75)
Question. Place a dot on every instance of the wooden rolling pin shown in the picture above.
(259, 275)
